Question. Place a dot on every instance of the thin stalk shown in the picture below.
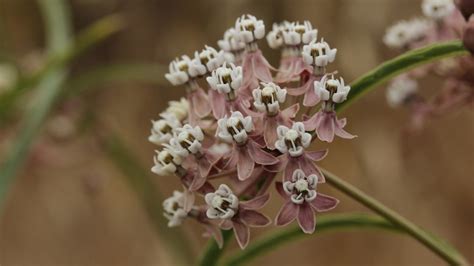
(326, 223)
(448, 254)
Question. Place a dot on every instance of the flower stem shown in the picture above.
(447, 253)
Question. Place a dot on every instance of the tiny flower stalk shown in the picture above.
(267, 101)
(302, 201)
(325, 123)
(317, 55)
(255, 67)
(246, 152)
(223, 205)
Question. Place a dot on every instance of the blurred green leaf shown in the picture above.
(50, 79)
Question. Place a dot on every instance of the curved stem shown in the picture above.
(400, 64)
(327, 222)
(441, 249)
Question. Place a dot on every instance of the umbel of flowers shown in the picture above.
(239, 129)
(441, 21)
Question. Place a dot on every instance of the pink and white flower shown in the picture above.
(246, 152)
(437, 9)
(268, 100)
(206, 61)
(162, 129)
(302, 201)
(292, 143)
(324, 122)
(249, 29)
(234, 214)
(318, 54)
(176, 208)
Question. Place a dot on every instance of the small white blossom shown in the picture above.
(162, 129)
(293, 140)
(318, 53)
(178, 109)
(174, 209)
(249, 29)
(404, 32)
(297, 34)
(226, 78)
(437, 9)
(235, 128)
(222, 204)
(8, 76)
(206, 61)
(330, 88)
(179, 71)
(269, 98)
(166, 162)
(400, 90)
(220, 148)
(301, 188)
(275, 37)
(230, 42)
(187, 140)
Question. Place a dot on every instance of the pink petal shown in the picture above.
(270, 132)
(302, 89)
(291, 166)
(280, 166)
(311, 98)
(291, 111)
(242, 234)
(217, 102)
(198, 182)
(316, 155)
(324, 203)
(200, 102)
(309, 168)
(313, 122)
(260, 156)
(325, 129)
(206, 188)
(254, 218)
(245, 164)
(204, 166)
(226, 224)
(339, 131)
(280, 190)
(216, 233)
(255, 203)
(287, 213)
(306, 218)
(189, 200)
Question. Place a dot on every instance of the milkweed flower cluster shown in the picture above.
(441, 22)
(240, 126)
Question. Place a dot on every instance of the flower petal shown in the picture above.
(199, 102)
(245, 164)
(270, 132)
(198, 182)
(306, 218)
(254, 218)
(217, 102)
(242, 234)
(339, 131)
(325, 129)
(291, 111)
(226, 224)
(255, 203)
(311, 98)
(313, 122)
(287, 213)
(216, 233)
(260, 156)
(280, 190)
(324, 203)
(316, 155)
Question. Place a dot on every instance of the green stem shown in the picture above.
(400, 64)
(327, 222)
(212, 254)
(441, 249)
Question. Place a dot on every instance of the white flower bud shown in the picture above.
(166, 162)
(293, 140)
(318, 53)
(226, 78)
(178, 71)
(222, 204)
(249, 29)
(269, 98)
(235, 128)
(187, 140)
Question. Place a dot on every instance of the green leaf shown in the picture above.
(326, 223)
(401, 64)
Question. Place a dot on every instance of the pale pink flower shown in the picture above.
(302, 201)
(235, 214)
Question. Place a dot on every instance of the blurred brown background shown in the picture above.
(71, 206)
